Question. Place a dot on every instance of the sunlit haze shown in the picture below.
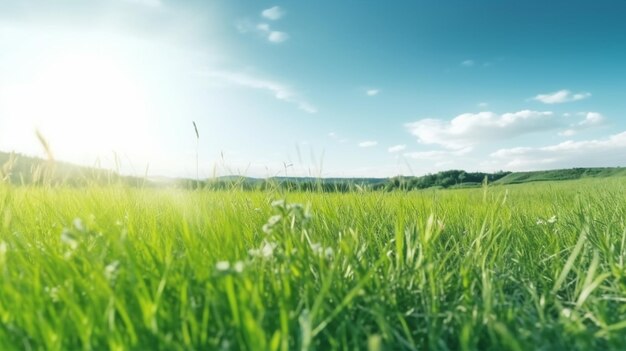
(315, 88)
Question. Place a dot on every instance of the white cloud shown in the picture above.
(585, 153)
(591, 120)
(263, 27)
(396, 148)
(279, 90)
(277, 37)
(368, 143)
(437, 155)
(475, 63)
(372, 92)
(482, 105)
(473, 128)
(337, 138)
(561, 96)
(273, 13)
(263, 30)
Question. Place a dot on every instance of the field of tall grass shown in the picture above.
(522, 267)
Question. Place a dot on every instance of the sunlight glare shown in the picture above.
(88, 104)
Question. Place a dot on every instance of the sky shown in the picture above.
(351, 88)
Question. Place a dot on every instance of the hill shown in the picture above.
(561, 174)
(26, 170)
(21, 170)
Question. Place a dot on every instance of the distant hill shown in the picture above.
(25, 170)
(462, 179)
(560, 174)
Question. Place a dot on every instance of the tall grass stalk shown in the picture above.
(195, 128)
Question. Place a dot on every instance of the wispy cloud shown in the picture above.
(482, 105)
(372, 92)
(437, 155)
(584, 153)
(263, 30)
(591, 120)
(368, 143)
(561, 96)
(273, 13)
(567, 132)
(396, 148)
(279, 90)
(476, 63)
(337, 138)
(469, 129)
(277, 37)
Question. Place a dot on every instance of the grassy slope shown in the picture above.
(121, 268)
(560, 174)
(21, 169)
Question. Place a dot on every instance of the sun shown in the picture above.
(88, 104)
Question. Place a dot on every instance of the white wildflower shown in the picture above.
(266, 251)
(78, 224)
(239, 266)
(69, 239)
(320, 250)
(110, 271)
(552, 219)
(222, 265)
(53, 293)
(278, 203)
(566, 312)
(292, 207)
(274, 219)
(271, 222)
(316, 248)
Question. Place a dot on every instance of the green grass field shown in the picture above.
(538, 266)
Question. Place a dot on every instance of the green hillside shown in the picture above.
(22, 170)
(560, 174)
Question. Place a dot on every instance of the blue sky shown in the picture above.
(332, 88)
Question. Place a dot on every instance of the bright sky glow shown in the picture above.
(350, 88)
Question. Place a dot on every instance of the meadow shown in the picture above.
(537, 266)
